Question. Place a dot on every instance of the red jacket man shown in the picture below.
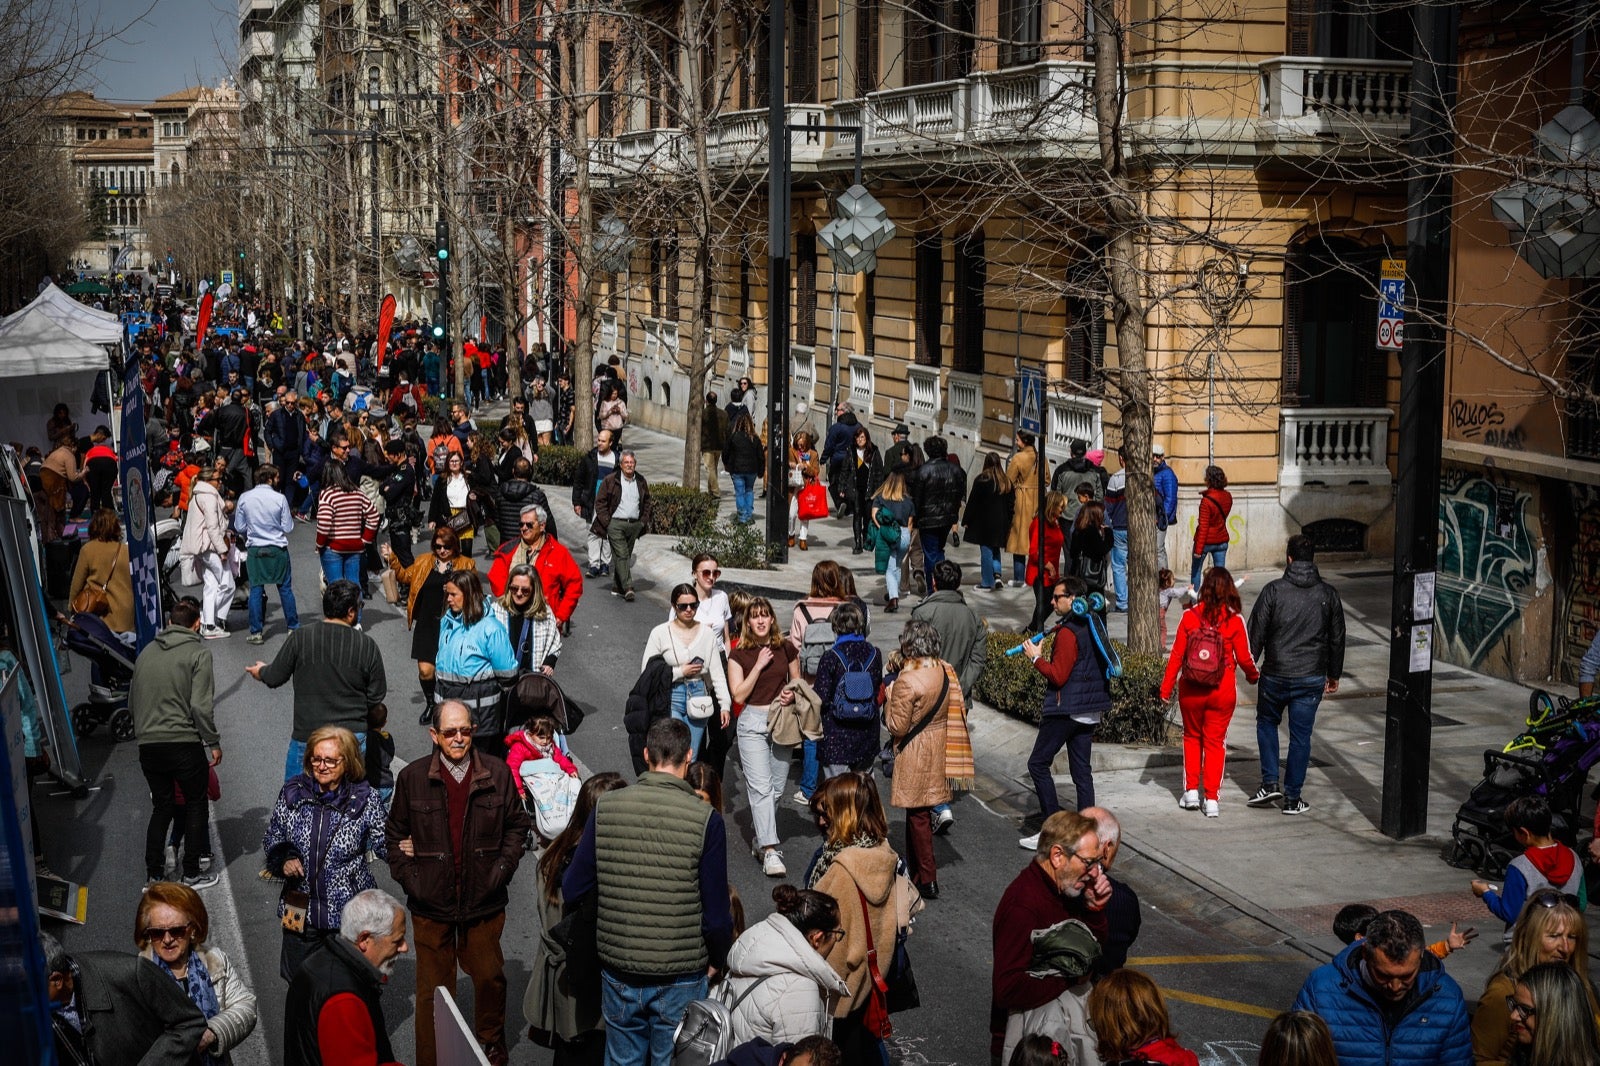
(559, 575)
(332, 1014)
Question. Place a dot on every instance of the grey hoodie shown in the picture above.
(172, 690)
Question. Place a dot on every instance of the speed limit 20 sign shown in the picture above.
(1391, 305)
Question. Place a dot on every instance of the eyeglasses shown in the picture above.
(323, 760)
(1520, 1010)
(711, 573)
(1089, 861)
(1062, 596)
(458, 731)
(687, 605)
(178, 932)
(834, 935)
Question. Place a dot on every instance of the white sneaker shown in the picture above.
(943, 821)
(213, 632)
(1190, 801)
(772, 863)
(1213, 809)
(1029, 843)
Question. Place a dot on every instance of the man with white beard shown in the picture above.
(332, 1016)
(1066, 879)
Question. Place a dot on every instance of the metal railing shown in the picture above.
(1334, 446)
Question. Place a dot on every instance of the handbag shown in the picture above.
(894, 747)
(813, 502)
(902, 993)
(391, 588)
(875, 1020)
(92, 599)
(699, 708)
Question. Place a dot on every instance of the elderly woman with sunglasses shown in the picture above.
(699, 683)
(424, 580)
(1551, 929)
(318, 835)
(170, 930)
(535, 633)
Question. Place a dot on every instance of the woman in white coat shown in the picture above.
(779, 981)
(205, 543)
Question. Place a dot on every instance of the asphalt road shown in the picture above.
(1224, 976)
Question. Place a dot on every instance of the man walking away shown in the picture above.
(938, 488)
(1166, 480)
(456, 833)
(332, 1016)
(965, 639)
(262, 517)
(1297, 634)
(713, 435)
(170, 699)
(655, 847)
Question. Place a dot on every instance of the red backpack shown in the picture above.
(1205, 658)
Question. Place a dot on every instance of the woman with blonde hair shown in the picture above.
(535, 633)
(805, 466)
(892, 511)
(1023, 474)
(325, 821)
(170, 929)
(1055, 538)
(988, 517)
(1550, 929)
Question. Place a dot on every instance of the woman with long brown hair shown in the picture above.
(988, 518)
(759, 671)
(1207, 694)
(424, 581)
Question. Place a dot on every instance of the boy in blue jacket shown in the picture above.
(1544, 863)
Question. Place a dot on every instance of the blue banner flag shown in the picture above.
(138, 509)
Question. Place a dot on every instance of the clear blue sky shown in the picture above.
(173, 45)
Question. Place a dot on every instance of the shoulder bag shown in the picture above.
(876, 1019)
(93, 598)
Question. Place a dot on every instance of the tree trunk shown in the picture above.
(691, 105)
(578, 355)
(1124, 222)
(510, 300)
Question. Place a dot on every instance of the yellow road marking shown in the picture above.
(1221, 1004)
(1187, 960)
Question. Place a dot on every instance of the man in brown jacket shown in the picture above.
(456, 832)
(621, 516)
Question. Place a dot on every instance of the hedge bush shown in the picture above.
(558, 464)
(680, 512)
(1137, 716)
(733, 544)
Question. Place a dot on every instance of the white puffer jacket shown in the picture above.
(797, 998)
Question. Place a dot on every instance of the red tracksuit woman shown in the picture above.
(1207, 709)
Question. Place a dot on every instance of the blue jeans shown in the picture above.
(641, 1019)
(744, 496)
(1077, 738)
(1119, 567)
(933, 551)
(1300, 697)
(1019, 568)
(1219, 557)
(810, 767)
(338, 566)
(988, 567)
(897, 558)
(680, 711)
(258, 596)
(296, 760)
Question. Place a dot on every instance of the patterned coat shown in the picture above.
(330, 833)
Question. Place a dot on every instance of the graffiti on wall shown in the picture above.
(1487, 563)
(1582, 609)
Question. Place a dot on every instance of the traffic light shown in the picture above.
(241, 255)
(441, 242)
(437, 329)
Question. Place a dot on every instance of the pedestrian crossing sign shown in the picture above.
(1030, 401)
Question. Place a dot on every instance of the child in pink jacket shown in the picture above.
(535, 740)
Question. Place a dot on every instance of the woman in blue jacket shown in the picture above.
(475, 655)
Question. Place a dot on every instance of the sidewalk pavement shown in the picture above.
(1289, 874)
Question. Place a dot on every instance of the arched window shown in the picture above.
(177, 173)
(1330, 324)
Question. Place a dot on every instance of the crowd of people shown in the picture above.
(640, 926)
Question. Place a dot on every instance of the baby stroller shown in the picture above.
(533, 694)
(89, 636)
(1550, 758)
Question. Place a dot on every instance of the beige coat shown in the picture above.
(919, 767)
(105, 562)
(891, 901)
(1023, 472)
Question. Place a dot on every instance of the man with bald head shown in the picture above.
(1122, 909)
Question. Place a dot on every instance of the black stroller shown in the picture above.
(1550, 758)
(89, 636)
(534, 693)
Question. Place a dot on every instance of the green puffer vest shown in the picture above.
(648, 842)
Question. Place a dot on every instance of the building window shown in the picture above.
(929, 298)
(1348, 29)
(745, 267)
(606, 105)
(939, 40)
(805, 289)
(869, 315)
(655, 279)
(672, 260)
(869, 17)
(971, 275)
(1330, 322)
(1583, 367)
(803, 53)
(1019, 32)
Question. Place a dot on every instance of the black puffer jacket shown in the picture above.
(743, 454)
(1297, 626)
(937, 489)
(650, 699)
(513, 496)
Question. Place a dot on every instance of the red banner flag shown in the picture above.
(203, 322)
(385, 324)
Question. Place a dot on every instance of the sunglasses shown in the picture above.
(687, 605)
(458, 731)
(528, 525)
(522, 590)
(178, 932)
(442, 548)
(711, 573)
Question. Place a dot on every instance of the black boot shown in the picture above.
(426, 717)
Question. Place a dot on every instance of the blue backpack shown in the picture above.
(855, 699)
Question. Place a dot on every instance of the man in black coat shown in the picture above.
(112, 1009)
(836, 453)
(937, 489)
(286, 436)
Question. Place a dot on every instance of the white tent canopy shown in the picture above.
(80, 320)
(42, 364)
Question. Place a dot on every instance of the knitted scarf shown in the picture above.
(830, 851)
(959, 768)
(197, 986)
